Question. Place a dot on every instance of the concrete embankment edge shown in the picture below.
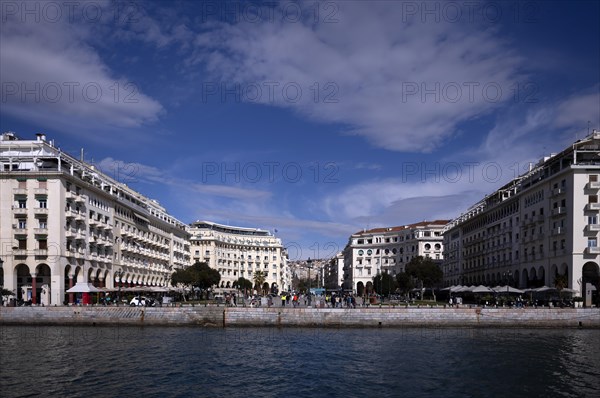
(213, 316)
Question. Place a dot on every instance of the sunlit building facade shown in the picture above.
(64, 221)
(539, 226)
(388, 250)
(240, 252)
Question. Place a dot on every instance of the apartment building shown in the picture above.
(64, 221)
(240, 252)
(389, 249)
(540, 225)
(334, 272)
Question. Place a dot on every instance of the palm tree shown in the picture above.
(259, 278)
(560, 282)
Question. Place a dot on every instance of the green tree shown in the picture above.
(426, 271)
(198, 275)
(561, 282)
(243, 283)
(384, 284)
(259, 278)
(404, 282)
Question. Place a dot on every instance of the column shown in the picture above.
(33, 289)
(70, 286)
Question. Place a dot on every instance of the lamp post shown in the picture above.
(119, 273)
(309, 266)
(508, 276)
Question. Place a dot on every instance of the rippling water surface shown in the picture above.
(187, 361)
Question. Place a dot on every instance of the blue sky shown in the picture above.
(315, 118)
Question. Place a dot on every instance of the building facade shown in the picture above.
(64, 221)
(380, 250)
(334, 272)
(541, 225)
(240, 252)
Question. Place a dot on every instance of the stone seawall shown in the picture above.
(213, 316)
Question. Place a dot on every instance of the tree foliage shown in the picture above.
(384, 284)
(243, 283)
(425, 270)
(404, 282)
(259, 278)
(198, 275)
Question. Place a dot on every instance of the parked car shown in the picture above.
(138, 301)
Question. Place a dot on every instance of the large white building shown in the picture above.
(540, 225)
(240, 252)
(63, 221)
(380, 250)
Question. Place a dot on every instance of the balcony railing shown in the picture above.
(592, 228)
(559, 211)
(592, 250)
(592, 206)
(593, 185)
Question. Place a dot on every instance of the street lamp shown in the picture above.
(119, 273)
(508, 276)
(309, 266)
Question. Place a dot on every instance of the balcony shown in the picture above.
(19, 211)
(559, 211)
(592, 207)
(40, 210)
(41, 252)
(557, 191)
(20, 191)
(592, 250)
(593, 185)
(40, 191)
(19, 229)
(592, 228)
(40, 231)
(558, 231)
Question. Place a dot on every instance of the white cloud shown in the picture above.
(446, 188)
(52, 76)
(377, 74)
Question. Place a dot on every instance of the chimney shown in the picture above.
(41, 136)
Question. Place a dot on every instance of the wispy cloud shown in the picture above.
(401, 84)
(51, 75)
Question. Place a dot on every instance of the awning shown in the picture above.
(82, 287)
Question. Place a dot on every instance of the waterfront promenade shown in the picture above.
(373, 317)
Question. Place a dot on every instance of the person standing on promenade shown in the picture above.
(283, 297)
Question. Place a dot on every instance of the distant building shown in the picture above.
(380, 250)
(540, 225)
(240, 252)
(64, 221)
(334, 272)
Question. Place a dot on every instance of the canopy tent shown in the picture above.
(83, 287)
(482, 289)
(508, 289)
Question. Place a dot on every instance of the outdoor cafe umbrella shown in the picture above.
(508, 289)
(481, 289)
(83, 287)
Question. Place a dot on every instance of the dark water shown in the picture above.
(190, 362)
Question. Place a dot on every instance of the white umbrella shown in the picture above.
(544, 289)
(482, 289)
(567, 290)
(82, 287)
(508, 289)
